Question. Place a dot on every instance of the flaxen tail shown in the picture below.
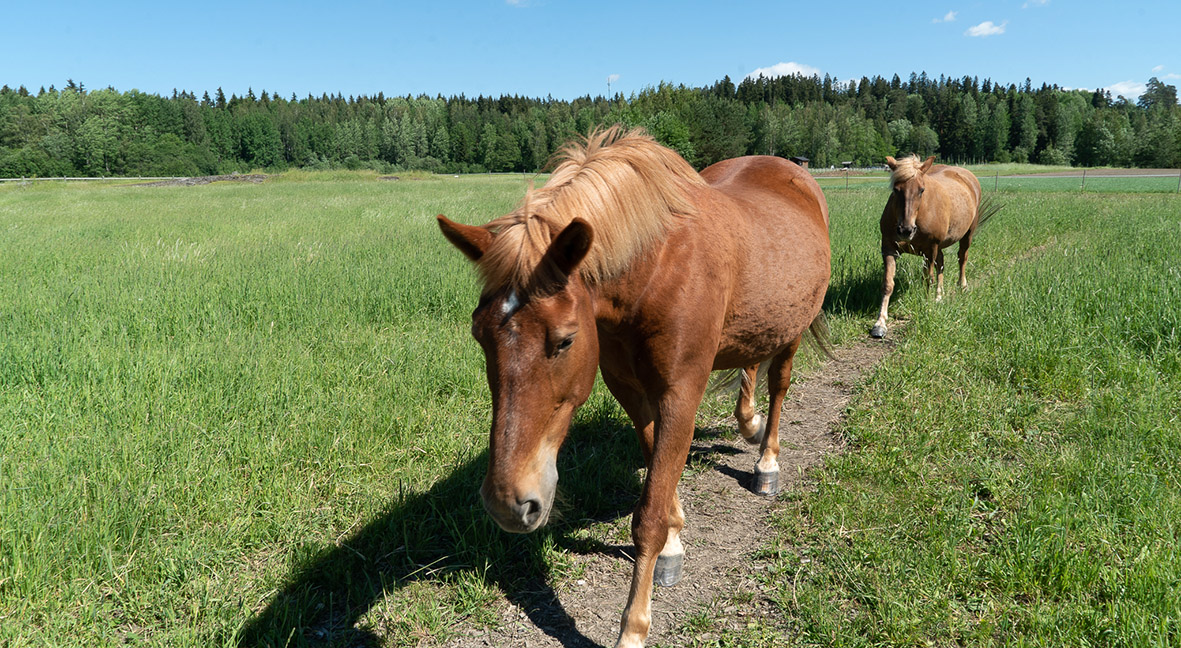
(818, 337)
(987, 208)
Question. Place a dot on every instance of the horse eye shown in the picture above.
(921, 190)
(564, 344)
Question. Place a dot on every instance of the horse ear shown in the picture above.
(569, 248)
(927, 164)
(891, 162)
(470, 239)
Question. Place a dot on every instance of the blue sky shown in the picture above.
(567, 49)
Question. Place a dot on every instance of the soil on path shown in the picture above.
(725, 526)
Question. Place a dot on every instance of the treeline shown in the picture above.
(75, 131)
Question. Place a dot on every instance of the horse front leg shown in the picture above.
(938, 274)
(670, 563)
(889, 261)
(658, 519)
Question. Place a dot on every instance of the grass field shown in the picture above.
(251, 414)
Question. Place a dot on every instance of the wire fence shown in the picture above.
(1098, 181)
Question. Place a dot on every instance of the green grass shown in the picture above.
(202, 388)
(1013, 475)
(253, 413)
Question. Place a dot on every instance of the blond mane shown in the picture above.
(626, 185)
(908, 167)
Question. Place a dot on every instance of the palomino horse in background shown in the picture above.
(930, 207)
(630, 261)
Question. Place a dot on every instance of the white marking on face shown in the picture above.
(511, 304)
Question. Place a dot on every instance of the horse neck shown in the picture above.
(616, 299)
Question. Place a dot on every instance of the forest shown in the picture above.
(74, 131)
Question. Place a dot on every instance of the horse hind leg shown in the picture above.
(766, 473)
(939, 275)
(751, 424)
(963, 255)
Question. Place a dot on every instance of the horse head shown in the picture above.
(541, 352)
(909, 181)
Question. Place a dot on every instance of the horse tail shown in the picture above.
(818, 336)
(728, 381)
(987, 208)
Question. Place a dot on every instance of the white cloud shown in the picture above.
(1129, 89)
(784, 69)
(1171, 76)
(986, 28)
(612, 78)
(1158, 68)
(949, 17)
(1035, 3)
(517, 3)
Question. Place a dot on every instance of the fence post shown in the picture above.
(1179, 182)
(996, 182)
(1084, 185)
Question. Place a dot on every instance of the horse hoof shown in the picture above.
(766, 483)
(878, 331)
(669, 570)
(757, 437)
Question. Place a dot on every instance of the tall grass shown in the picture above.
(200, 387)
(1013, 476)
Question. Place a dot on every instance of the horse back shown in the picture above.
(956, 179)
(770, 180)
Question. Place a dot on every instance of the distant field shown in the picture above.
(253, 414)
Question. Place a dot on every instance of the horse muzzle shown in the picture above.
(521, 510)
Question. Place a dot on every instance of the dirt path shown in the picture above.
(725, 525)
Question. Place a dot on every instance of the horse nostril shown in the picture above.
(529, 510)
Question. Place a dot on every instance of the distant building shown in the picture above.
(800, 160)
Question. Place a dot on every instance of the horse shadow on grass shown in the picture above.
(443, 535)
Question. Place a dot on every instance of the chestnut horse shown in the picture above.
(630, 261)
(930, 207)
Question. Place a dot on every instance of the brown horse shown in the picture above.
(931, 207)
(630, 261)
